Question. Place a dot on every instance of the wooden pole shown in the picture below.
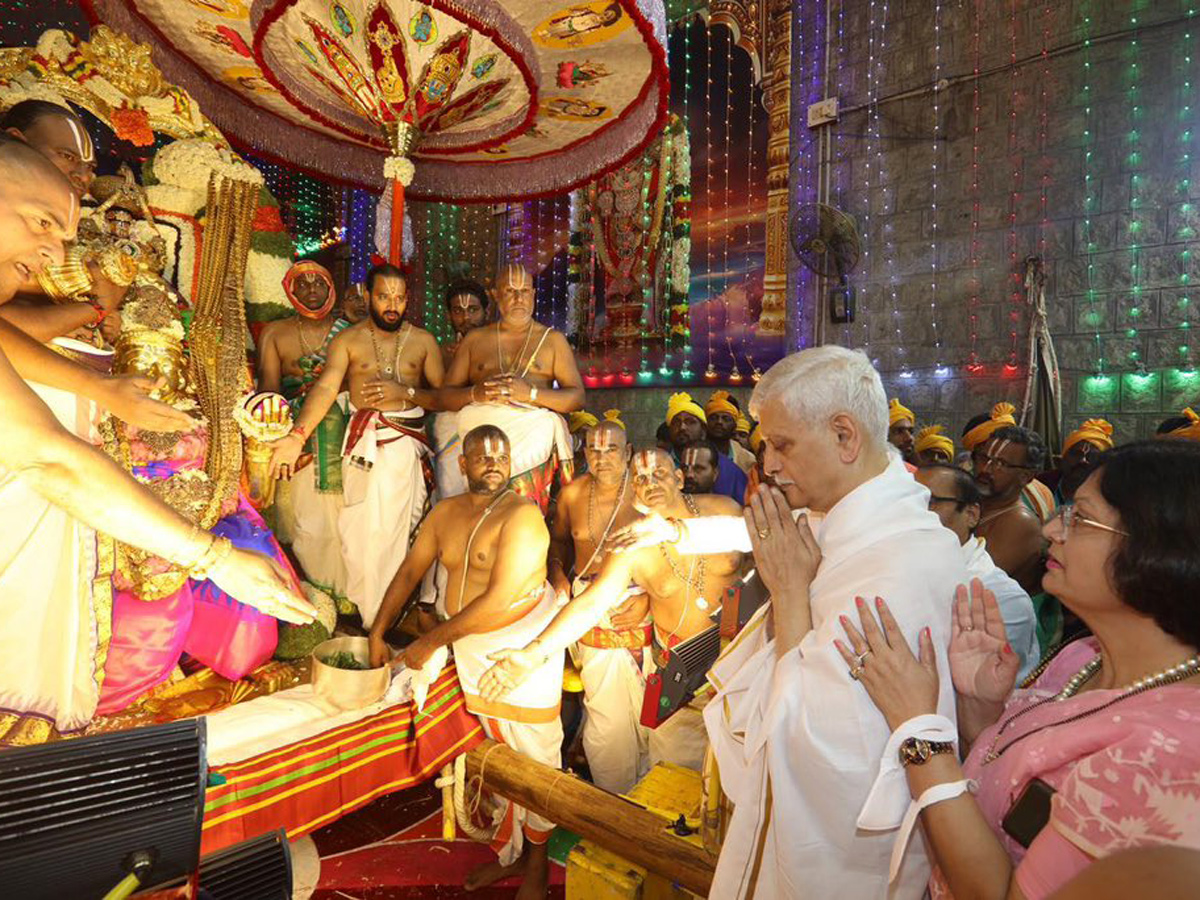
(616, 824)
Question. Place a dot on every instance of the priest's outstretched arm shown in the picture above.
(88, 485)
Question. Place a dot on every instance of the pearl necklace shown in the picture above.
(1170, 675)
(1167, 676)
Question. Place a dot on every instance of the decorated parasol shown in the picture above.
(458, 100)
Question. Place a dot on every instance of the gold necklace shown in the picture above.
(304, 349)
(390, 370)
(693, 580)
(598, 544)
(504, 370)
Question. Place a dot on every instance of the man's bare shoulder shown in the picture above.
(522, 514)
(421, 336)
(716, 505)
(576, 490)
(272, 330)
(472, 338)
(1017, 522)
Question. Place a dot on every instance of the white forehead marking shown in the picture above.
(691, 455)
(518, 277)
(83, 141)
(599, 439)
(492, 446)
(646, 462)
(72, 210)
(1000, 447)
(463, 303)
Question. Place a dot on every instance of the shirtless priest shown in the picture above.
(611, 656)
(291, 357)
(497, 596)
(520, 376)
(684, 593)
(386, 475)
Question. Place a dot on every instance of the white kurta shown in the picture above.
(797, 740)
(1020, 620)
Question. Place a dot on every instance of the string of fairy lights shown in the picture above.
(1186, 231)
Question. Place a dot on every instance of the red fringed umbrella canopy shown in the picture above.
(490, 99)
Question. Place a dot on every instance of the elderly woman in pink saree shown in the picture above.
(1099, 750)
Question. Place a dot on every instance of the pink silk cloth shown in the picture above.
(1128, 776)
(200, 619)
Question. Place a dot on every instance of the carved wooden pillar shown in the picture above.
(777, 93)
(749, 20)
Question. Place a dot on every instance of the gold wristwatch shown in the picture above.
(917, 751)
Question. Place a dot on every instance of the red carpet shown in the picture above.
(392, 848)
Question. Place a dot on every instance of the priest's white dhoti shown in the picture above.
(385, 485)
(798, 741)
(611, 667)
(447, 447)
(55, 612)
(314, 531)
(527, 719)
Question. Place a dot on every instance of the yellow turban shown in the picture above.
(1190, 431)
(898, 411)
(1002, 414)
(614, 416)
(581, 419)
(1094, 431)
(743, 425)
(683, 402)
(719, 402)
(756, 438)
(934, 436)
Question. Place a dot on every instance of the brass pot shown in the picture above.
(348, 688)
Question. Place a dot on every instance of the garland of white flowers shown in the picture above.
(399, 168)
(681, 187)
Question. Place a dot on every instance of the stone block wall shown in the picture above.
(644, 409)
(1094, 168)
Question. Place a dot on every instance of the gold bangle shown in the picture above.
(218, 551)
(192, 536)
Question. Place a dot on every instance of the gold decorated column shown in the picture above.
(777, 97)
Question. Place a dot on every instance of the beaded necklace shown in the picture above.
(1171, 675)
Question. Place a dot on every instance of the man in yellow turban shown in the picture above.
(614, 416)
(741, 433)
(1080, 453)
(933, 446)
(1035, 495)
(901, 423)
(722, 413)
(1186, 425)
(687, 422)
(980, 428)
(581, 419)
(578, 424)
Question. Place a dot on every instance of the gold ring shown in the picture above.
(857, 671)
(764, 533)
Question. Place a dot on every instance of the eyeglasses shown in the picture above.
(934, 498)
(1069, 516)
(980, 460)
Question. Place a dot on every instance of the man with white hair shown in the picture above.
(815, 776)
